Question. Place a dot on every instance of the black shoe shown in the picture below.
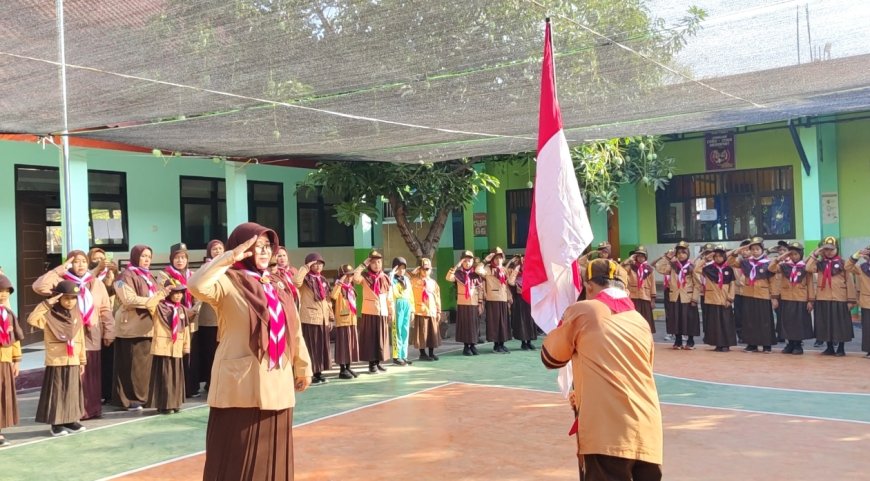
(466, 351)
(372, 368)
(841, 350)
(767, 349)
(407, 362)
(58, 431)
(380, 368)
(828, 352)
(504, 349)
(789, 348)
(75, 427)
(169, 411)
(424, 357)
(798, 350)
(531, 346)
(868, 355)
(750, 348)
(474, 350)
(352, 372)
(343, 374)
(434, 357)
(399, 362)
(524, 346)
(726, 349)
(818, 344)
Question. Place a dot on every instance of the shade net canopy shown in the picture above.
(410, 81)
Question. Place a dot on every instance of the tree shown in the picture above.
(428, 192)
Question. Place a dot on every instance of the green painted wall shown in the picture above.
(853, 158)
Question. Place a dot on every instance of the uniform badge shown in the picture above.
(281, 285)
(181, 316)
(265, 280)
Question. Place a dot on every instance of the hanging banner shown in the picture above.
(720, 151)
(480, 224)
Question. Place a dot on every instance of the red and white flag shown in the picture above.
(559, 229)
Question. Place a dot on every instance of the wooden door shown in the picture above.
(31, 238)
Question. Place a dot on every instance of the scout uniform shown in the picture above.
(699, 264)
(497, 301)
(738, 297)
(835, 292)
(641, 285)
(61, 401)
(795, 291)
(377, 310)
(404, 309)
(315, 313)
(522, 324)
(170, 341)
(10, 359)
(684, 295)
(344, 306)
(207, 329)
(861, 270)
(600, 252)
(98, 322)
(469, 296)
(427, 310)
(718, 288)
(180, 277)
(756, 310)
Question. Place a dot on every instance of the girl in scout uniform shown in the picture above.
(684, 294)
(344, 305)
(862, 274)
(522, 324)
(719, 295)
(704, 257)
(641, 284)
(795, 292)
(171, 318)
(835, 297)
(377, 310)
(61, 401)
(756, 310)
(207, 324)
(403, 297)
(427, 310)
(178, 272)
(315, 313)
(498, 299)
(469, 307)
(10, 358)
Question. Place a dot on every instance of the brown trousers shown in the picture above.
(598, 467)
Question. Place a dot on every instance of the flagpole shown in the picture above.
(65, 174)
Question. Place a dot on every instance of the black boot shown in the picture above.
(798, 348)
(466, 351)
(343, 374)
(496, 347)
(524, 346)
(841, 350)
(830, 350)
(424, 356)
(789, 348)
(372, 368)
(530, 346)
(473, 349)
(751, 348)
(432, 354)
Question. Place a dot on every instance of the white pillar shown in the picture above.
(237, 194)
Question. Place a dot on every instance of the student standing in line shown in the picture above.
(757, 306)
(719, 327)
(98, 321)
(704, 257)
(170, 342)
(861, 270)
(345, 309)
(179, 272)
(498, 299)
(835, 297)
(641, 284)
(285, 271)
(315, 313)
(522, 324)
(795, 291)
(106, 272)
(207, 324)
(738, 297)
(403, 307)
(10, 359)
(670, 324)
(683, 290)
(426, 309)
(61, 401)
(377, 311)
(468, 279)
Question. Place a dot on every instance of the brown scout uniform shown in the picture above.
(862, 275)
(167, 385)
(469, 296)
(427, 314)
(833, 319)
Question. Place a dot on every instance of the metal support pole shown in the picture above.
(64, 171)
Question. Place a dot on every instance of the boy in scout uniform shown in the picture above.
(684, 294)
(641, 284)
(835, 297)
(862, 274)
(795, 292)
(498, 299)
(314, 313)
(469, 300)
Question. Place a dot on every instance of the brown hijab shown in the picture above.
(63, 323)
(252, 290)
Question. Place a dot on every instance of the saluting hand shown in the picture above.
(243, 250)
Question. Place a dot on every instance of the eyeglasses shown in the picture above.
(427, 268)
(262, 248)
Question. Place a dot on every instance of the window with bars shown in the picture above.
(727, 206)
(519, 211)
(203, 210)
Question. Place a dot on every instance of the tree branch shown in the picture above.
(400, 212)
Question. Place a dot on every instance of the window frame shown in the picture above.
(521, 241)
(121, 198)
(279, 204)
(323, 212)
(218, 227)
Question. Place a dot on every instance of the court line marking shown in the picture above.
(668, 403)
(306, 423)
(837, 393)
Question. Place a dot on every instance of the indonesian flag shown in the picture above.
(558, 213)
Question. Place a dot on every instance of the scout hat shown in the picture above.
(314, 257)
(493, 254)
(467, 255)
(682, 245)
(756, 241)
(745, 242)
(345, 270)
(399, 261)
(175, 285)
(708, 247)
(720, 248)
(640, 250)
(374, 254)
(5, 284)
(66, 288)
(177, 249)
(795, 246)
(604, 246)
(605, 269)
(830, 242)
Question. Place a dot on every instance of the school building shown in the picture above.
(728, 186)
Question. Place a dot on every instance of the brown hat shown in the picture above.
(756, 241)
(175, 285)
(640, 250)
(830, 241)
(720, 248)
(467, 254)
(66, 288)
(795, 246)
(604, 245)
(5, 283)
(708, 247)
(682, 245)
(374, 254)
(179, 248)
(497, 251)
(745, 242)
(399, 261)
(345, 269)
(314, 257)
(605, 269)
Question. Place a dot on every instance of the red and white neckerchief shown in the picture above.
(642, 273)
(5, 326)
(615, 299)
(70, 343)
(827, 274)
(277, 320)
(467, 284)
(103, 273)
(667, 282)
(145, 274)
(176, 318)
(795, 273)
(499, 273)
(428, 292)
(755, 263)
(321, 284)
(86, 299)
(349, 294)
(182, 278)
(288, 281)
(721, 268)
(682, 273)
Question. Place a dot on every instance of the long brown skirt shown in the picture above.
(206, 341)
(719, 323)
(61, 400)
(132, 374)
(346, 345)
(166, 388)
(865, 330)
(92, 385)
(317, 340)
(8, 400)
(758, 325)
(522, 324)
(670, 317)
(374, 338)
(107, 362)
(426, 332)
(644, 308)
(687, 322)
(247, 444)
(497, 329)
(467, 324)
(795, 324)
(833, 321)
